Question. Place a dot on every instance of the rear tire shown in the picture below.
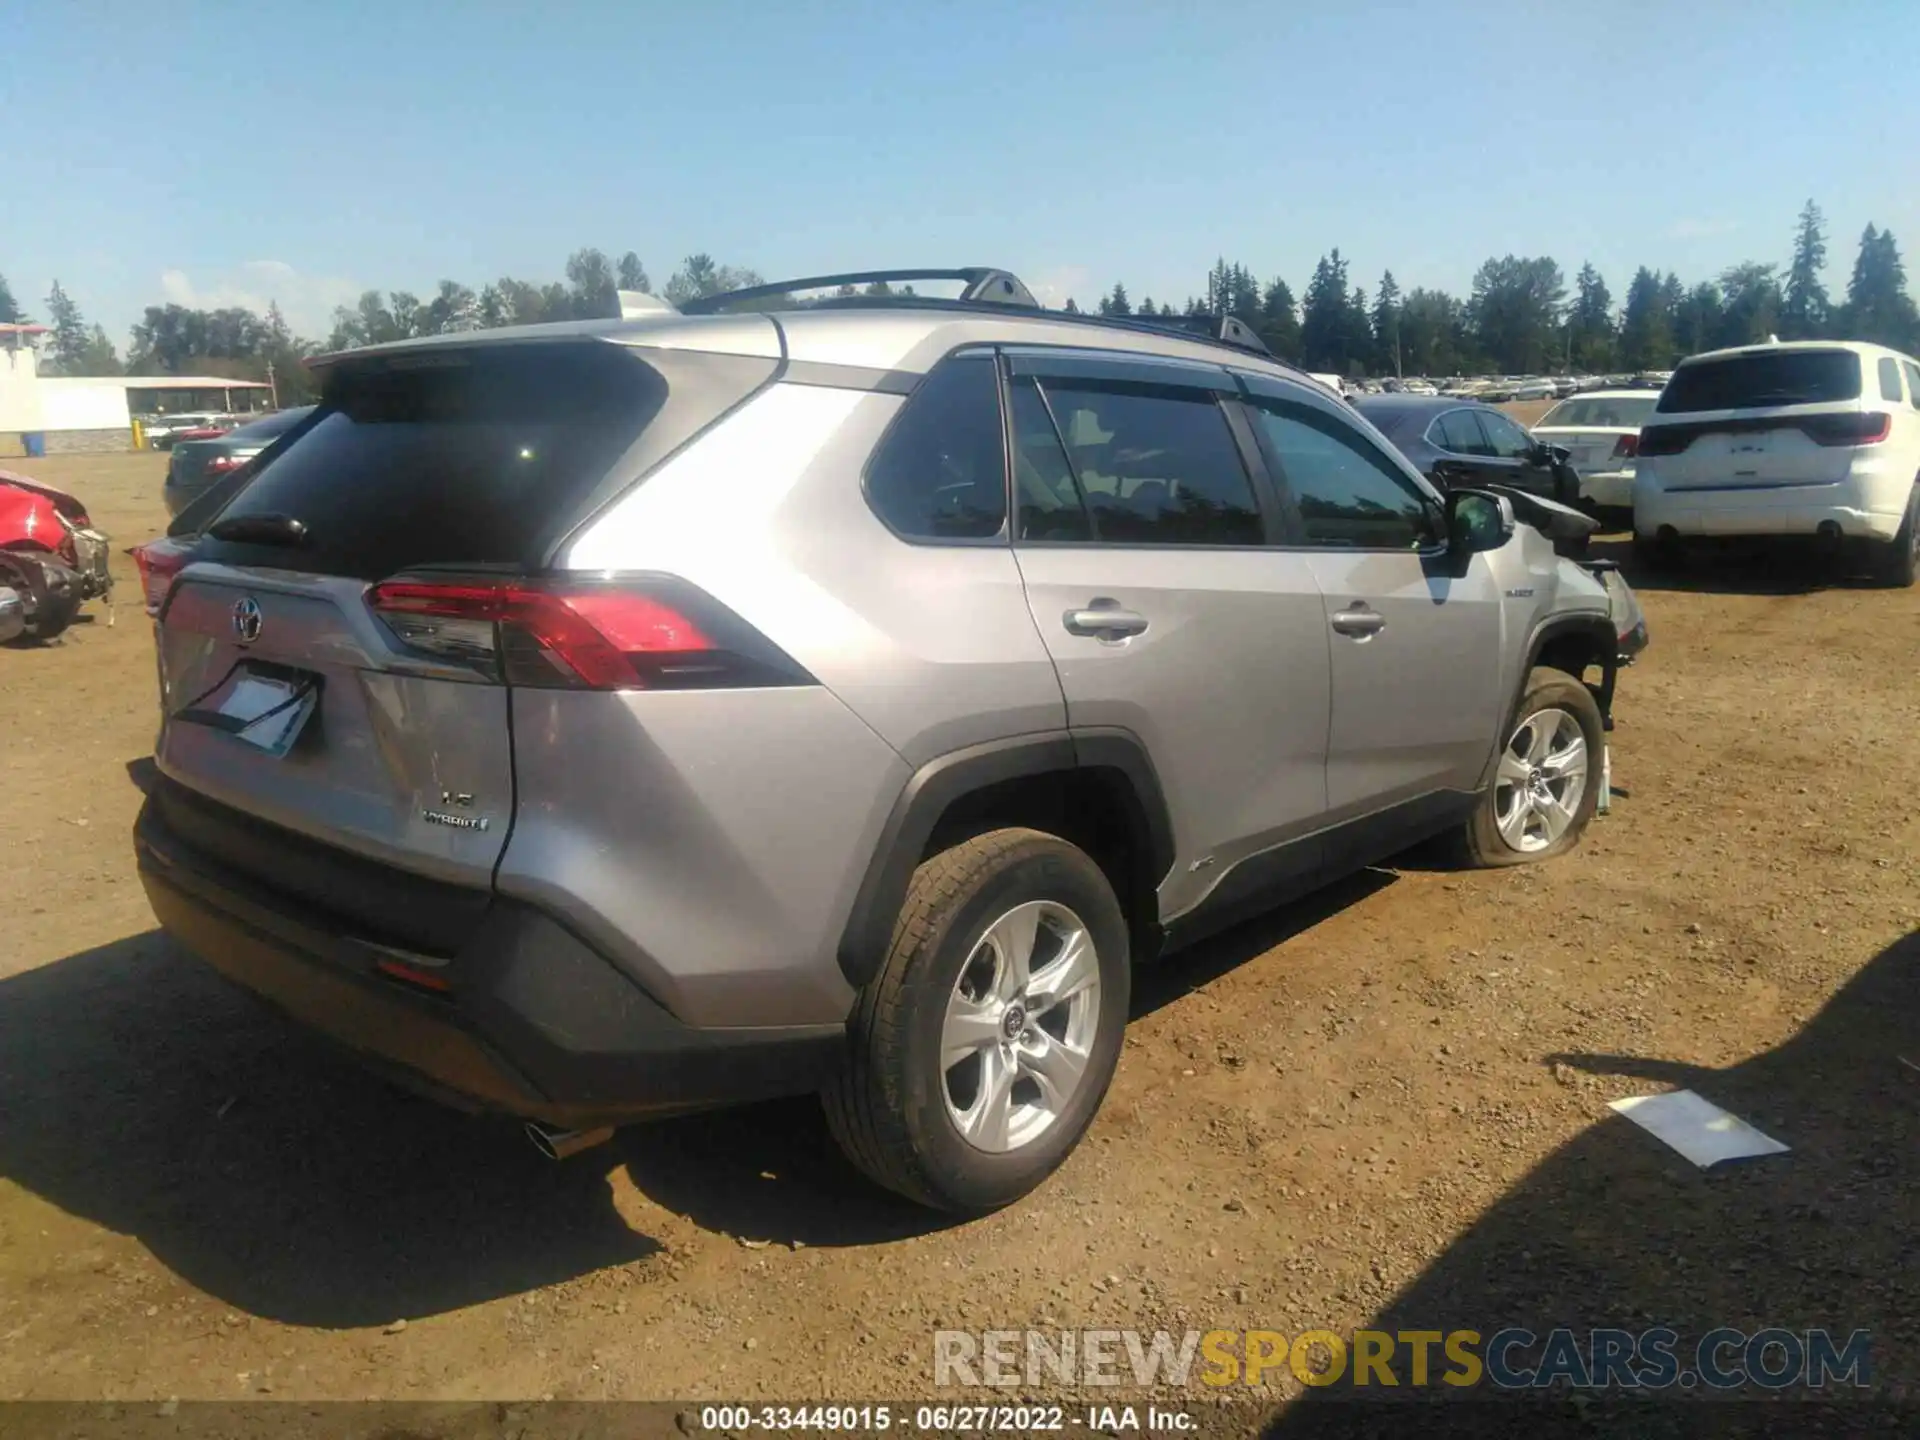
(1654, 554)
(1547, 779)
(947, 1096)
(1899, 560)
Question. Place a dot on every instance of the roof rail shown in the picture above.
(983, 286)
(985, 289)
(1222, 329)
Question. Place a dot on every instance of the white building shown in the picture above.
(55, 415)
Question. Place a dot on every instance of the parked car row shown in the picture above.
(201, 457)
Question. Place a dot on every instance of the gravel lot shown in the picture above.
(1387, 1105)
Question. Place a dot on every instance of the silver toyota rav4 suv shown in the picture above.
(608, 719)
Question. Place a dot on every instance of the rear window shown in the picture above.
(1760, 381)
(1623, 413)
(468, 457)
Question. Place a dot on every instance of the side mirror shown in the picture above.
(1477, 520)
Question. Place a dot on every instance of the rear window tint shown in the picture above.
(941, 471)
(1753, 382)
(459, 458)
(1459, 432)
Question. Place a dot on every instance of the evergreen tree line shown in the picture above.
(238, 344)
(1519, 318)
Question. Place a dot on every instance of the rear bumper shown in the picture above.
(1608, 489)
(1796, 510)
(534, 1023)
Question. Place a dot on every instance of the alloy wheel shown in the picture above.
(1541, 780)
(1020, 1026)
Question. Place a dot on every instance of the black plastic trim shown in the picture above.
(1153, 372)
(537, 1024)
(357, 895)
(934, 788)
(1106, 747)
(1286, 872)
(851, 377)
(1607, 644)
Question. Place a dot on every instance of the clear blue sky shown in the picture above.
(220, 153)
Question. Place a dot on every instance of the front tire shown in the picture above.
(979, 1054)
(1547, 779)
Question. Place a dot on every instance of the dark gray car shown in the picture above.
(1459, 443)
(196, 464)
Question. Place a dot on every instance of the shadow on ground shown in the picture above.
(147, 1095)
(1744, 567)
(1617, 1230)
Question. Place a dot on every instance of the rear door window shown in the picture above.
(1459, 432)
(470, 457)
(1154, 466)
(1913, 383)
(1505, 437)
(1763, 380)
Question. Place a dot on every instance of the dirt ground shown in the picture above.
(1386, 1105)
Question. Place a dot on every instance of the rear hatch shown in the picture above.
(289, 699)
(1760, 420)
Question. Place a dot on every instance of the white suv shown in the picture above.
(1814, 438)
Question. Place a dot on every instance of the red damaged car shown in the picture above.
(52, 560)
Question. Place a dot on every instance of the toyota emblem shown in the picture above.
(246, 620)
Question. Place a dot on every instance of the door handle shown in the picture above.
(1359, 620)
(1104, 621)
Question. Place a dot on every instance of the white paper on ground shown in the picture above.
(1696, 1127)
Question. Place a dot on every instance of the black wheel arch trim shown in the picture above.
(932, 790)
(1594, 625)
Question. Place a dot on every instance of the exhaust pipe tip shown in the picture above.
(1828, 532)
(557, 1144)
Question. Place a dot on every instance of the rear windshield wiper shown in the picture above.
(260, 530)
(1776, 397)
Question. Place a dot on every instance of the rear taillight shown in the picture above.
(645, 633)
(1663, 440)
(224, 464)
(1858, 428)
(160, 563)
(1626, 447)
